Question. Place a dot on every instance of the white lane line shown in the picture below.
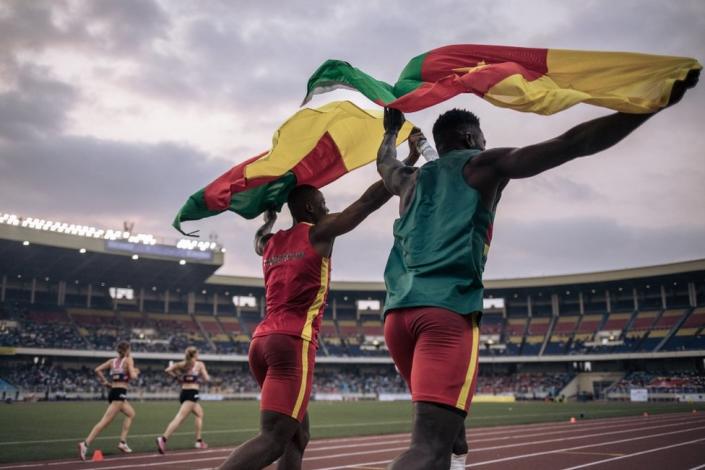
(474, 451)
(598, 462)
(587, 446)
(699, 467)
(573, 429)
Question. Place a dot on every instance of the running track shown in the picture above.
(674, 441)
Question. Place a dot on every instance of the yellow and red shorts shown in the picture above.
(436, 351)
(283, 367)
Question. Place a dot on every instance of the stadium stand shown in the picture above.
(58, 303)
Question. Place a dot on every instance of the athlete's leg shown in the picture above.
(435, 428)
(294, 453)
(277, 430)
(129, 413)
(184, 410)
(197, 410)
(442, 384)
(460, 445)
(113, 409)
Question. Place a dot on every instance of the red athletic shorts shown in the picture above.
(436, 351)
(283, 367)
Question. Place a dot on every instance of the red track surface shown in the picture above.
(673, 441)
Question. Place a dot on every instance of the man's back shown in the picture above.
(440, 242)
(296, 279)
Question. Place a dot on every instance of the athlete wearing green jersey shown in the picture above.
(434, 272)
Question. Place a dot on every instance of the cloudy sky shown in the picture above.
(115, 111)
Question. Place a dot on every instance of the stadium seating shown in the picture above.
(691, 334)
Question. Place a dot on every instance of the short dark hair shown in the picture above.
(448, 122)
(298, 197)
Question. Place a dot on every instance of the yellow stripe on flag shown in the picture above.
(304, 381)
(474, 356)
(622, 81)
(356, 132)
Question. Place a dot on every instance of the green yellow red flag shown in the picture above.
(313, 147)
(543, 81)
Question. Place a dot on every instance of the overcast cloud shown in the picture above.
(115, 111)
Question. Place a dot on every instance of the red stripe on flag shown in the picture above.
(217, 195)
(442, 80)
(322, 165)
(439, 63)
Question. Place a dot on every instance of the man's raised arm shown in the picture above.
(395, 174)
(585, 139)
(264, 233)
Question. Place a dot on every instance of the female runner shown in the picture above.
(122, 370)
(189, 372)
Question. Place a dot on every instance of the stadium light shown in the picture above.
(99, 233)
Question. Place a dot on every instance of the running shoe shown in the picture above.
(457, 462)
(124, 448)
(201, 445)
(161, 445)
(82, 450)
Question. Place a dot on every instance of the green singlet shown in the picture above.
(441, 242)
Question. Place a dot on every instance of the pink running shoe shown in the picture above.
(201, 445)
(161, 445)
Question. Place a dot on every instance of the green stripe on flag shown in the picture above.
(248, 204)
(337, 73)
(410, 78)
(253, 202)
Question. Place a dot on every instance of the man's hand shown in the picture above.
(414, 153)
(393, 120)
(681, 86)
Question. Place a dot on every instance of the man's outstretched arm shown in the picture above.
(585, 139)
(264, 233)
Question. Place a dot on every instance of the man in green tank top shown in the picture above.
(434, 271)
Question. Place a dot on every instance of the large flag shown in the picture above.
(314, 147)
(543, 81)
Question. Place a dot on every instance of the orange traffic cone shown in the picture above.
(97, 456)
(572, 420)
(646, 413)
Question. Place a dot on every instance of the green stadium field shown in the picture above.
(51, 430)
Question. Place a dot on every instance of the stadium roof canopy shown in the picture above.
(32, 253)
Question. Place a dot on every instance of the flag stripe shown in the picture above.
(322, 165)
(218, 194)
(314, 146)
(536, 80)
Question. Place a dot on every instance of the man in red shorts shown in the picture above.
(296, 264)
(434, 271)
